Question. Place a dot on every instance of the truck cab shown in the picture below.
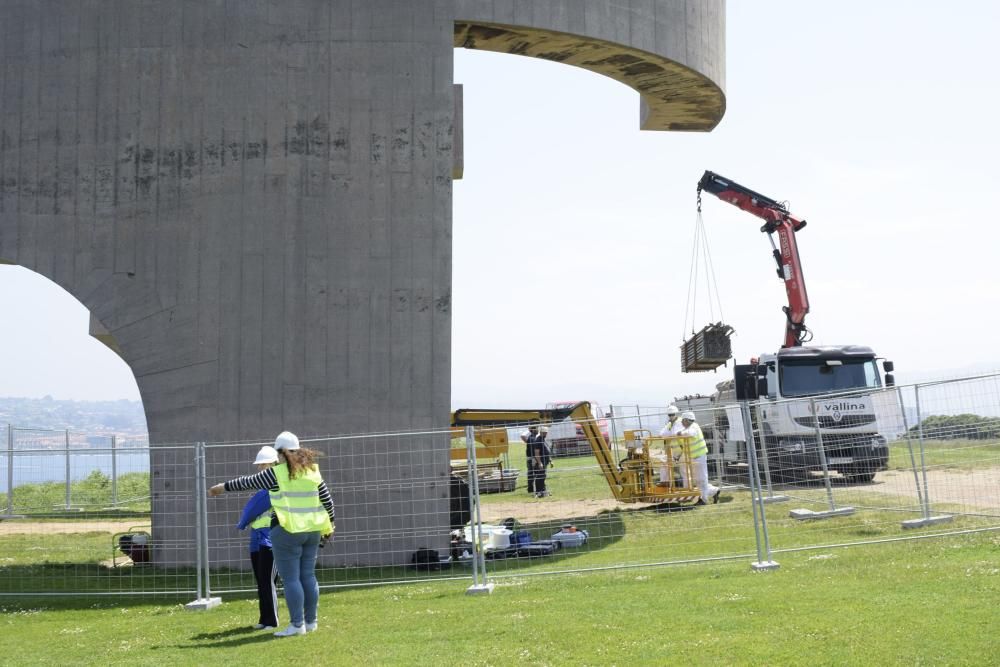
(804, 394)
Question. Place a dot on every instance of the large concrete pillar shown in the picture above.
(253, 198)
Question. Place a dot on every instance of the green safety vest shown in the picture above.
(699, 447)
(296, 502)
(263, 521)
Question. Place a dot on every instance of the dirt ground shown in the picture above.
(975, 488)
(527, 511)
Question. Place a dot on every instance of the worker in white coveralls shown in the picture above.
(699, 458)
(672, 427)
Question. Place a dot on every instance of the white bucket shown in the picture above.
(499, 539)
(471, 533)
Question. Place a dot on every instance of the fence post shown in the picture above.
(771, 497)
(761, 537)
(925, 502)
(114, 473)
(833, 511)
(920, 440)
(478, 556)
(68, 471)
(10, 470)
(203, 474)
(767, 464)
(201, 603)
(200, 498)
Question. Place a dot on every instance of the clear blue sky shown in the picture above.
(573, 229)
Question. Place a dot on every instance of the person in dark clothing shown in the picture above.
(257, 515)
(526, 437)
(538, 458)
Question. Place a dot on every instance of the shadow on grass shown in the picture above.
(604, 530)
(228, 639)
(88, 585)
(231, 632)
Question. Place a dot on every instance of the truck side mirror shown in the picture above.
(890, 381)
(888, 366)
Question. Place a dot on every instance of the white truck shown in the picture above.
(803, 395)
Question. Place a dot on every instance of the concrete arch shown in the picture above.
(671, 52)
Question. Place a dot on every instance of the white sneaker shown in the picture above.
(311, 627)
(291, 631)
(261, 626)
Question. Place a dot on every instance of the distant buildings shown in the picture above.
(90, 422)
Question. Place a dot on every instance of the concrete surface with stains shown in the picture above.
(253, 200)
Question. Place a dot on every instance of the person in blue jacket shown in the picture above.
(257, 515)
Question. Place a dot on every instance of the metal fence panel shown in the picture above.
(810, 473)
(88, 532)
(392, 494)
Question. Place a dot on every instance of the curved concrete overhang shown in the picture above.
(674, 95)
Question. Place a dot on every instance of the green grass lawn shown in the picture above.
(921, 602)
(914, 602)
(626, 535)
(957, 454)
(93, 494)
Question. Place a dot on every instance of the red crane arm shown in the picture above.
(778, 220)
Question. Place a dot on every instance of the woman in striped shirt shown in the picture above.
(302, 517)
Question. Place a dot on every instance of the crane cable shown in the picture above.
(701, 254)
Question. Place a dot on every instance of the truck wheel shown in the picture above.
(863, 470)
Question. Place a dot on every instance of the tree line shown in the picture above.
(958, 427)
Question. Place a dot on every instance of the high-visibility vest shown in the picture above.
(296, 502)
(263, 521)
(699, 447)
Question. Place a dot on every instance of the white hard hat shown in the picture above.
(672, 410)
(267, 454)
(544, 429)
(687, 415)
(287, 441)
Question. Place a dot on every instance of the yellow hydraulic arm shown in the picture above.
(632, 480)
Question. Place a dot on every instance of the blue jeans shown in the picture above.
(295, 556)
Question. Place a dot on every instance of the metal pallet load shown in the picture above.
(707, 349)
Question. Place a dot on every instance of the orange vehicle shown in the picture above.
(567, 437)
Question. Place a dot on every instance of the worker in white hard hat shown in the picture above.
(302, 516)
(672, 427)
(257, 517)
(699, 459)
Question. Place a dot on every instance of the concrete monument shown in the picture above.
(253, 199)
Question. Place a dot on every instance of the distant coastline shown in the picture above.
(94, 420)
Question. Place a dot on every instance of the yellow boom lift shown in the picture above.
(633, 479)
